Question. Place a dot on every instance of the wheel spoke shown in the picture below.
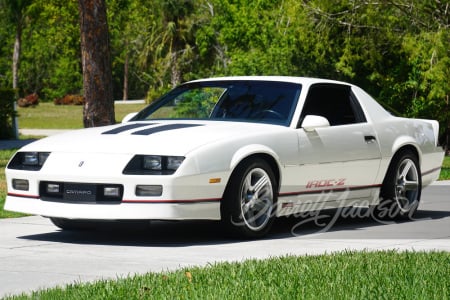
(406, 169)
(411, 185)
(248, 205)
(247, 186)
(250, 216)
(260, 184)
(263, 205)
(245, 207)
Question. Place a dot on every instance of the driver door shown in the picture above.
(337, 163)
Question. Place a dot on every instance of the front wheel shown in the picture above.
(401, 190)
(247, 209)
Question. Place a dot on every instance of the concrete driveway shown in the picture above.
(34, 254)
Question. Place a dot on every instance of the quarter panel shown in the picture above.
(396, 133)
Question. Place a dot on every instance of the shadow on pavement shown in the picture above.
(329, 224)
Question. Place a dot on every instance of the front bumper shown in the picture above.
(192, 210)
(193, 196)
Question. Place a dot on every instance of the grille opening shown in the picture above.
(73, 192)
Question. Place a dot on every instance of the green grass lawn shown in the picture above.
(50, 116)
(347, 275)
(445, 171)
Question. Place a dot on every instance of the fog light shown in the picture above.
(20, 184)
(53, 188)
(110, 191)
(149, 190)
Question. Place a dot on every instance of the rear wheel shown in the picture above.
(401, 190)
(248, 205)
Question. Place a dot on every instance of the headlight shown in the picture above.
(35, 158)
(152, 162)
(174, 162)
(31, 161)
(153, 165)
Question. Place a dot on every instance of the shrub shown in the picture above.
(7, 113)
(30, 100)
(70, 100)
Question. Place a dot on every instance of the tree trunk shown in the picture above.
(447, 131)
(125, 74)
(16, 56)
(96, 60)
(175, 74)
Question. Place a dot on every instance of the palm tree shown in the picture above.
(16, 10)
(167, 45)
(96, 60)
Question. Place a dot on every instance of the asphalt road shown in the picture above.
(34, 254)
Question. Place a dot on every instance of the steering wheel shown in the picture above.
(274, 113)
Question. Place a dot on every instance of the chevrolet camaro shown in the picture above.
(242, 150)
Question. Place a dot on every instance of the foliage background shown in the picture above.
(7, 112)
(399, 51)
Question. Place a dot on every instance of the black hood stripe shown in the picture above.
(127, 127)
(152, 130)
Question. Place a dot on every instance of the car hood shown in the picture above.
(157, 137)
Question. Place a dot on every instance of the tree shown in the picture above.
(395, 50)
(17, 13)
(167, 53)
(96, 60)
(129, 20)
(51, 52)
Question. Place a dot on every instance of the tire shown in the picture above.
(69, 224)
(247, 209)
(401, 189)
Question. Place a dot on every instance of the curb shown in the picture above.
(43, 132)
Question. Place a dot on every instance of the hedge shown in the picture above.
(7, 113)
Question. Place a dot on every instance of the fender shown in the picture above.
(249, 150)
(400, 142)
(406, 141)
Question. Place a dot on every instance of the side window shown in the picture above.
(334, 102)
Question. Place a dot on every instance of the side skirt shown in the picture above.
(292, 203)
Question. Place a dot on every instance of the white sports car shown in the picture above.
(242, 150)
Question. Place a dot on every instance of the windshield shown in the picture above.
(251, 101)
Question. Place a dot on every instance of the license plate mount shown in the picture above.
(76, 192)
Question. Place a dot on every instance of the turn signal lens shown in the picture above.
(21, 184)
(149, 190)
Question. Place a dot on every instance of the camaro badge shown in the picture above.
(81, 164)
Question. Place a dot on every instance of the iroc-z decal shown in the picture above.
(325, 183)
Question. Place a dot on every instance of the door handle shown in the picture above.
(370, 139)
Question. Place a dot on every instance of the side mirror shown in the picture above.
(128, 117)
(312, 122)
